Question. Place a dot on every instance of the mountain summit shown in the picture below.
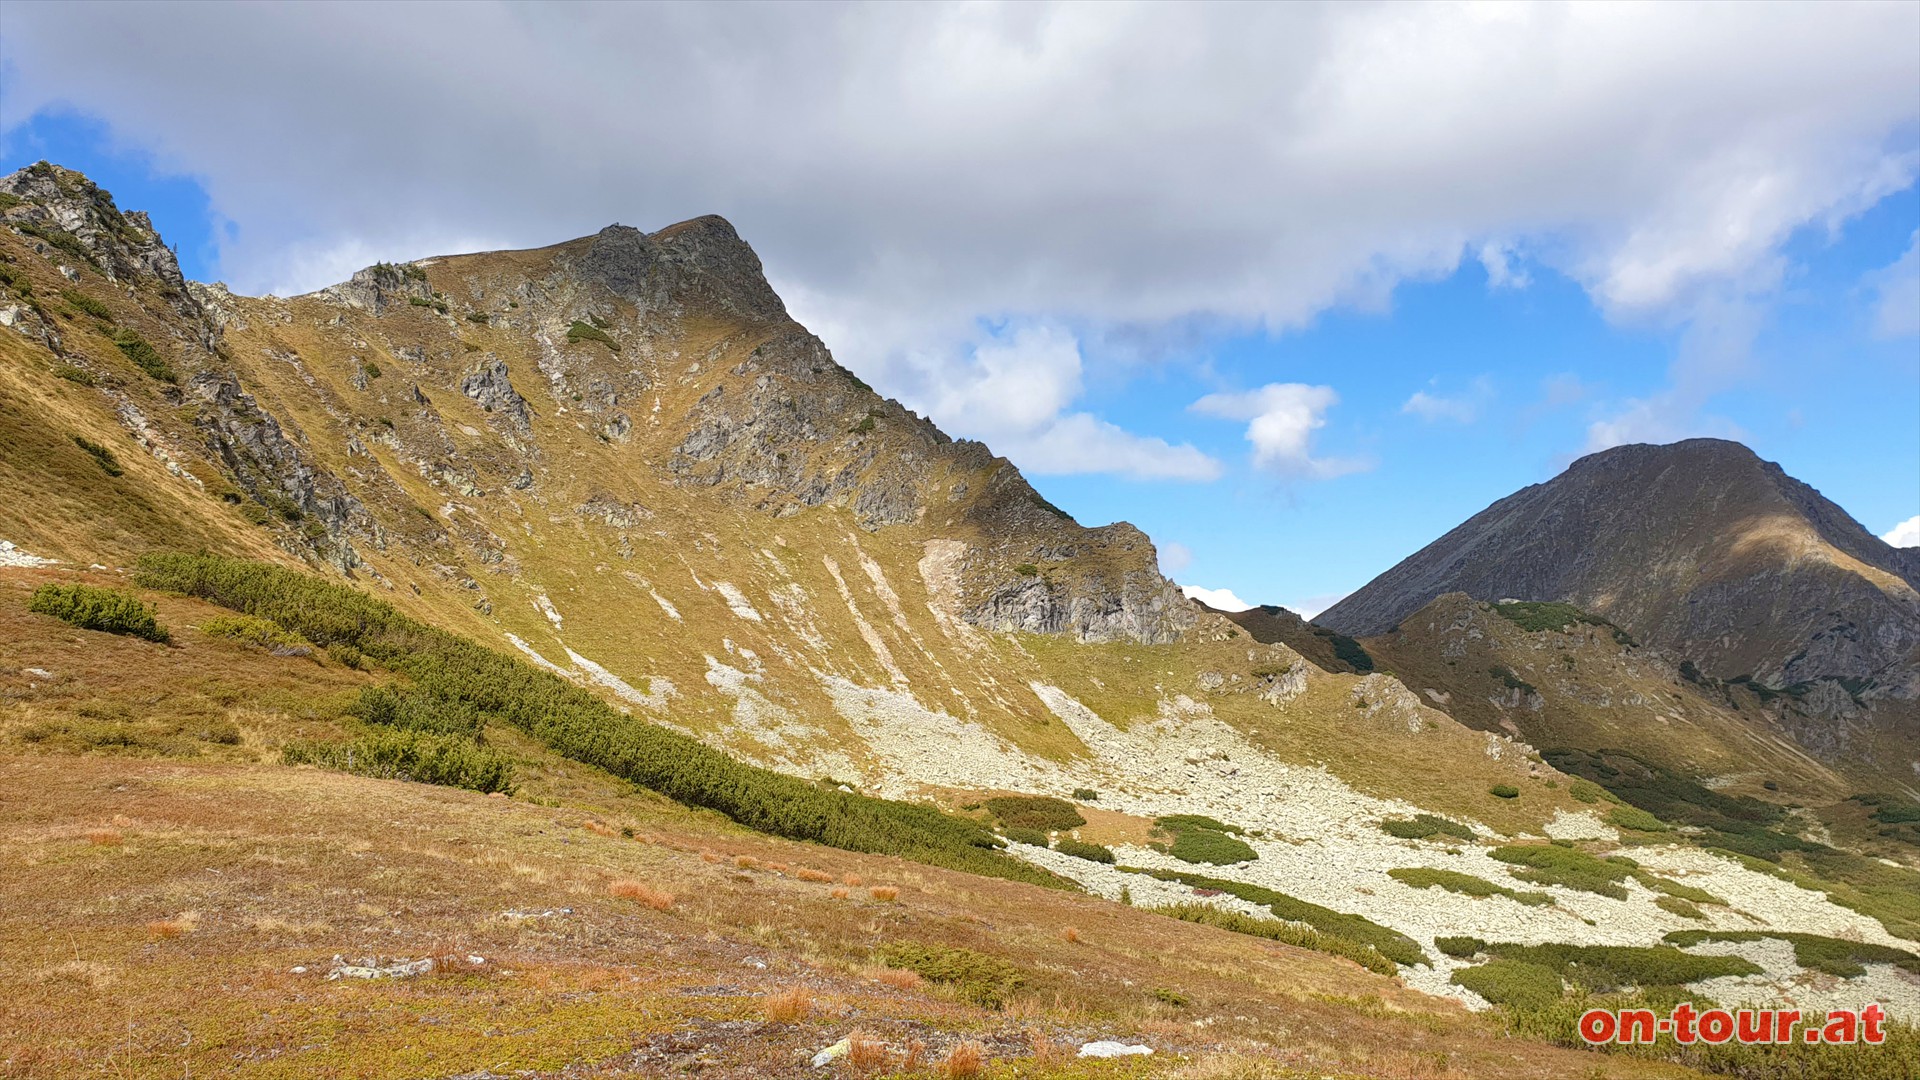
(1698, 547)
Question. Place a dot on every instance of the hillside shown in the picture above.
(599, 527)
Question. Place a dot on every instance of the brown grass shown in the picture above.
(884, 892)
(915, 1057)
(964, 1061)
(1070, 935)
(104, 837)
(777, 867)
(866, 1053)
(599, 828)
(182, 923)
(852, 879)
(840, 893)
(787, 1006)
(745, 862)
(806, 874)
(710, 856)
(1048, 1051)
(640, 893)
(898, 978)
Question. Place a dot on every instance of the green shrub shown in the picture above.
(580, 331)
(82, 302)
(1425, 825)
(1586, 791)
(1086, 794)
(1287, 933)
(1686, 909)
(1172, 822)
(1034, 812)
(983, 980)
(1460, 948)
(1632, 817)
(1421, 877)
(1603, 968)
(420, 756)
(1027, 569)
(1835, 956)
(102, 456)
(73, 374)
(1676, 890)
(1511, 982)
(143, 355)
(578, 725)
(436, 304)
(1536, 616)
(59, 238)
(1391, 944)
(261, 632)
(370, 369)
(1025, 836)
(1067, 845)
(477, 317)
(1546, 864)
(1169, 997)
(1201, 839)
(91, 608)
(1504, 791)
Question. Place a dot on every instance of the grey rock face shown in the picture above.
(68, 215)
(489, 386)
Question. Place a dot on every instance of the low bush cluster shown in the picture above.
(1423, 826)
(1536, 616)
(101, 456)
(262, 632)
(1547, 864)
(1391, 944)
(579, 725)
(1037, 812)
(1200, 839)
(1835, 956)
(420, 756)
(1421, 877)
(1288, 933)
(581, 331)
(144, 356)
(93, 608)
(983, 980)
(1067, 845)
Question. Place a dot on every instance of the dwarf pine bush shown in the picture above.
(91, 608)
(419, 756)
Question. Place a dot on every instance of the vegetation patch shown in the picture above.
(1200, 839)
(1025, 836)
(1835, 956)
(1391, 944)
(261, 632)
(1423, 826)
(1511, 982)
(1604, 968)
(102, 456)
(1547, 864)
(144, 356)
(1421, 877)
(1537, 616)
(581, 331)
(91, 608)
(1686, 909)
(1287, 933)
(82, 302)
(1038, 812)
(78, 375)
(1632, 817)
(579, 725)
(983, 980)
(1067, 845)
(1504, 791)
(420, 756)
(1461, 947)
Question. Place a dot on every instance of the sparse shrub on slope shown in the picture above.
(983, 980)
(261, 632)
(1423, 826)
(1835, 956)
(1036, 812)
(581, 331)
(1067, 845)
(1421, 877)
(144, 356)
(102, 456)
(1201, 839)
(98, 609)
(1511, 982)
(579, 725)
(1288, 933)
(1391, 944)
(1546, 864)
(1536, 616)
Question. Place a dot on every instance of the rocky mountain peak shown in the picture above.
(64, 214)
(703, 261)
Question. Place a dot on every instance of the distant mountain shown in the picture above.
(1698, 548)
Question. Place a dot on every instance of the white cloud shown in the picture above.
(905, 170)
(1219, 599)
(1462, 408)
(1013, 390)
(1905, 534)
(1281, 419)
(1896, 288)
(1314, 605)
(1174, 557)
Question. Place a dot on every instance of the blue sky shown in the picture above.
(1295, 299)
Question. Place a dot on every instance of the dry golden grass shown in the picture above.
(745, 862)
(885, 893)
(840, 892)
(711, 857)
(600, 828)
(777, 867)
(898, 978)
(1070, 935)
(169, 928)
(104, 837)
(642, 894)
(787, 1006)
(806, 874)
(963, 1061)
(851, 879)
(866, 1053)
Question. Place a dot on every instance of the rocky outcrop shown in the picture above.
(63, 213)
(1698, 547)
(490, 388)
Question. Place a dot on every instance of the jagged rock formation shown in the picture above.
(1698, 547)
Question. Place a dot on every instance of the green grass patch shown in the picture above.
(1511, 982)
(1835, 956)
(78, 375)
(1039, 812)
(92, 608)
(1421, 877)
(1548, 864)
(579, 725)
(983, 980)
(1025, 836)
(1391, 944)
(1686, 909)
(1196, 838)
(1632, 817)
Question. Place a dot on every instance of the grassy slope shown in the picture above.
(212, 873)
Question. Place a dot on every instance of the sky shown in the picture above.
(1294, 288)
